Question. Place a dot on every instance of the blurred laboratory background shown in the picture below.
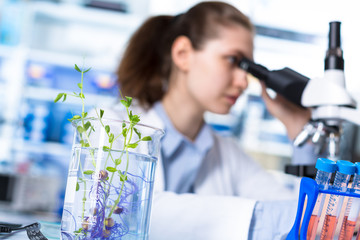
(40, 41)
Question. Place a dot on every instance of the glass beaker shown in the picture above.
(110, 180)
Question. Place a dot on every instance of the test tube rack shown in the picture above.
(310, 189)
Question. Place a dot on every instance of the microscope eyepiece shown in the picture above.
(254, 69)
(286, 81)
(334, 55)
(334, 35)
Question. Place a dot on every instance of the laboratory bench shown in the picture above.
(50, 225)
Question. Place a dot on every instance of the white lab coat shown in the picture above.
(226, 191)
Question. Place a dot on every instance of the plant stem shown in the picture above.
(122, 185)
(82, 117)
(84, 197)
(126, 170)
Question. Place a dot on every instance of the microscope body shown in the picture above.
(330, 103)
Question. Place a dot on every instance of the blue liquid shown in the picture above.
(91, 210)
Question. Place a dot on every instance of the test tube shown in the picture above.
(352, 209)
(325, 168)
(342, 177)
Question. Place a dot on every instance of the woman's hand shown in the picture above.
(292, 116)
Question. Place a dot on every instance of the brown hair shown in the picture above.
(146, 62)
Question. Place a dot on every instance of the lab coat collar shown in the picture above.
(173, 138)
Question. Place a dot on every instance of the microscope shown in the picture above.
(330, 103)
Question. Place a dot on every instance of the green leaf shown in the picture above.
(123, 124)
(87, 125)
(77, 68)
(106, 149)
(117, 161)
(80, 129)
(58, 97)
(75, 117)
(84, 144)
(111, 138)
(101, 113)
(137, 132)
(135, 119)
(123, 178)
(132, 145)
(80, 85)
(84, 114)
(87, 70)
(78, 231)
(64, 97)
(82, 95)
(147, 138)
(129, 100)
(77, 186)
(88, 172)
(124, 132)
(111, 169)
(107, 128)
(125, 103)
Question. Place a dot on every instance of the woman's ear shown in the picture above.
(181, 52)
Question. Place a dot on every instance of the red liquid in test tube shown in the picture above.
(313, 225)
(347, 229)
(342, 177)
(352, 209)
(325, 168)
(329, 227)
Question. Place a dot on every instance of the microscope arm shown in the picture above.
(324, 92)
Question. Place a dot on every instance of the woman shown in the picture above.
(178, 67)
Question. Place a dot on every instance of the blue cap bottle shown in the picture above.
(325, 167)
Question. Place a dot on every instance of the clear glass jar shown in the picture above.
(110, 180)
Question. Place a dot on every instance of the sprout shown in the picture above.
(109, 222)
(118, 210)
(103, 174)
(85, 224)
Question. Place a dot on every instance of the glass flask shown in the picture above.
(110, 180)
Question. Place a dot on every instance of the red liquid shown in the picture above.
(347, 229)
(313, 224)
(328, 230)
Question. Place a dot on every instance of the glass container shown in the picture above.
(110, 180)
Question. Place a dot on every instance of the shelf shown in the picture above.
(93, 16)
(66, 59)
(66, 34)
(48, 148)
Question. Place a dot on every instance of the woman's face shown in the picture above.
(214, 80)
